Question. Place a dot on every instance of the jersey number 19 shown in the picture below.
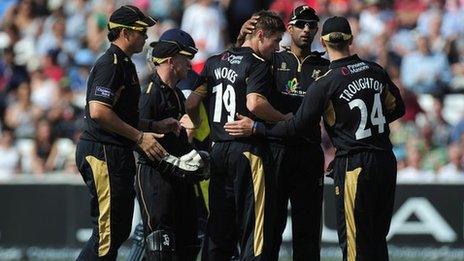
(226, 97)
(377, 117)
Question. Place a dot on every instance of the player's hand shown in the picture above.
(187, 123)
(151, 147)
(288, 116)
(243, 127)
(247, 28)
(170, 125)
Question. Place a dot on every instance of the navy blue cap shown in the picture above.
(174, 41)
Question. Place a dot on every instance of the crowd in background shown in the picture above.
(47, 48)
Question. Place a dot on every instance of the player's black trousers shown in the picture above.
(365, 191)
(108, 172)
(237, 202)
(168, 203)
(298, 177)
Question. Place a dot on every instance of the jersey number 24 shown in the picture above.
(376, 118)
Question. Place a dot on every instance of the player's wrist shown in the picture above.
(140, 138)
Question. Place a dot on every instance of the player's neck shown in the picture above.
(167, 76)
(336, 55)
(252, 44)
(123, 46)
(300, 52)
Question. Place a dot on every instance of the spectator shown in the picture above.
(431, 76)
(22, 115)
(44, 150)
(455, 168)
(205, 22)
(413, 171)
(9, 161)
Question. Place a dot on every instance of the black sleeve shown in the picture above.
(202, 78)
(259, 78)
(107, 81)
(309, 114)
(392, 101)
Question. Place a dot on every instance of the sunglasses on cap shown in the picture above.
(302, 23)
(142, 30)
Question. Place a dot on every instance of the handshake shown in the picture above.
(193, 166)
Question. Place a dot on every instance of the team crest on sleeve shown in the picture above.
(104, 92)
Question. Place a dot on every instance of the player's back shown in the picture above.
(230, 77)
(362, 101)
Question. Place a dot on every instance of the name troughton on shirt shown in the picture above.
(361, 84)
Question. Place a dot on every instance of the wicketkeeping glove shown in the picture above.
(193, 166)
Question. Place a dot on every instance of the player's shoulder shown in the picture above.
(374, 66)
(319, 58)
(325, 77)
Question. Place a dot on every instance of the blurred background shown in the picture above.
(47, 48)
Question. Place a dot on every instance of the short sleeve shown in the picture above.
(106, 83)
(200, 83)
(259, 79)
(148, 103)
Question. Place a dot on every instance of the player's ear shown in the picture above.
(260, 35)
(323, 43)
(289, 28)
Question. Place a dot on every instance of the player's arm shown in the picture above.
(393, 103)
(258, 87)
(261, 108)
(105, 92)
(149, 109)
(193, 102)
(307, 115)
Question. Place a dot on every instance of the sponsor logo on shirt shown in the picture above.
(103, 92)
(354, 68)
(293, 88)
(232, 59)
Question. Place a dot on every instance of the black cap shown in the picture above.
(336, 29)
(171, 42)
(303, 12)
(129, 16)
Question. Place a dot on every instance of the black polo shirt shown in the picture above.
(113, 82)
(292, 78)
(158, 101)
(225, 82)
(357, 100)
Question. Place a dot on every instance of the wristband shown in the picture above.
(253, 129)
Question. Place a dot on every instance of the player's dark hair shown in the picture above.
(113, 34)
(269, 22)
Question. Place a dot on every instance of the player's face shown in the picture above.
(137, 39)
(181, 66)
(302, 32)
(269, 45)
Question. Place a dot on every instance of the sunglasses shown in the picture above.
(302, 23)
(142, 30)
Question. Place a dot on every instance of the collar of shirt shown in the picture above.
(344, 61)
(121, 55)
(156, 79)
